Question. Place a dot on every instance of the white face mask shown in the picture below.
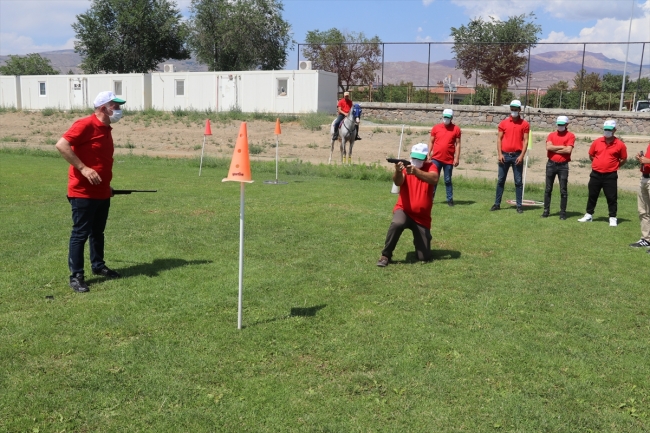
(514, 113)
(117, 115)
(561, 128)
(446, 120)
(418, 163)
(608, 134)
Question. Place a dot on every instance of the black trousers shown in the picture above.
(561, 170)
(421, 236)
(608, 183)
(88, 223)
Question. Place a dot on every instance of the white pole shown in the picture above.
(523, 188)
(629, 32)
(395, 189)
(201, 164)
(241, 257)
(277, 144)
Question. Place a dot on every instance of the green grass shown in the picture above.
(521, 324)
(315, 121)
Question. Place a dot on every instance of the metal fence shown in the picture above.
(425, 72)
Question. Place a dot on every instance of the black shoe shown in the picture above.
(383, 262)
(450, 203)
(520, 209)
(641, 243)
(335, 137)
(357, 139)
(78, 284)
(545, 214)
(106, 272)
(495, 207)
(563, 216)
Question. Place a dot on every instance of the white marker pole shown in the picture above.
(395, 189)
(241, 258)
(202, 149)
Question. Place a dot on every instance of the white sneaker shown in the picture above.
(586, 218)
(613, 222)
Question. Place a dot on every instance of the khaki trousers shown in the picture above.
(643, 203)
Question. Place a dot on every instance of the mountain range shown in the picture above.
(546, 68)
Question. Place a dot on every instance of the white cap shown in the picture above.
(447, 112)
(609, 125)
(515, 103)
(420, 151)
(105, 97)
(562, 120)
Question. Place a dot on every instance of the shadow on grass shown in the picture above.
(158, 265)
(412, 257)
(295, 312)
(456, 202)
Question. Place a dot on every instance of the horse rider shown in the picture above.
(343, 109)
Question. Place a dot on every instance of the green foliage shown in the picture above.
(240, 35)
(483, 96)
(330, 343)
(315, 121)
(31, 64)
(123, 36)
(352, 56)
(402, 92)
(494, 49)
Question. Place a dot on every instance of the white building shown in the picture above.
(65, 92)
(10, 92)
(283, 91)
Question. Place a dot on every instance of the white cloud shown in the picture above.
(499, 9)
(589, 10)
(419, 29)
(13, 43)
(427, 2)
(423, 39)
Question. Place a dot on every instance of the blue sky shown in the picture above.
(28, 26)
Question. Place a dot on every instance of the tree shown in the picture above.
(352, 56)
(239, 35)
(31, 64)
(482, 96)
(587, 82)
(122, 36)
(494, 49)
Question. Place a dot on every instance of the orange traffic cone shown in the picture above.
(208, 130)
(240, 165)
(277, 127)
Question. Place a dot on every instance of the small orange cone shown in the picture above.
(208, 130)
(277, 127)
(240, 165)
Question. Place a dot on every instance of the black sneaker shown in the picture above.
(545, 214)
(357, 139)
(641, 243)
(78, 284)
(495, 207)
(106, 272)
(563, 216)
(335, 137)
(520, 209)
(450, 203)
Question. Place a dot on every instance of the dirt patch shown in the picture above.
(178, 138)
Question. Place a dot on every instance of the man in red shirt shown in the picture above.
(607, 153)
(559, 145)
(511, 150)
(445, 150)
(413, 208)
(343, 109)
(643, 199)
(88, 147)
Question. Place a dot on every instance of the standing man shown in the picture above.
(343, 109)
(643, 199)
(607, 153)
(559, 145)
(413, 208)
(445, 150)
(511, 150)
(88, 147)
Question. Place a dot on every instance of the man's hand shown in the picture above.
(456, 162)
(91, 175)
(520, 159)
(501, 159)
(411, 169)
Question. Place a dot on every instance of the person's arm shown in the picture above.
(430, 177)
(524, 148)
(563, 150)
(63, 146)
(398, 175)
(457, 152)
(432, 139)
(499, 153)
(623, 157)
(642, 159)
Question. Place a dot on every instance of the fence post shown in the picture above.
(527, 76)
(428, 72)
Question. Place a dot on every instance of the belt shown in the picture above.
(646, 175)
(512, 153)
(558, 163)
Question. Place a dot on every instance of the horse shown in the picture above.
(347, 133)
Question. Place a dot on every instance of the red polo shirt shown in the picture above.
(444, 142)
(565, 138)
(345, 105)
(607, 156)
(513, 134)
(92, 142)
(416, 197)
(645, 168)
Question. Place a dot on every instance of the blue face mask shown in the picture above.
(608, 134)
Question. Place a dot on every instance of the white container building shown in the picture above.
(284, 91)
(66, 92)
(10, 92)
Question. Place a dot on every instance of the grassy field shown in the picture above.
(521, 324)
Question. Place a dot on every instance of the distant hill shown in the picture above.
(547, 68)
